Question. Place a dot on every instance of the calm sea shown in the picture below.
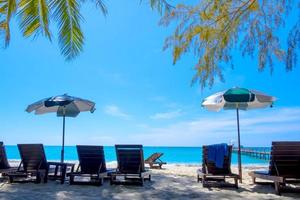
(183, 155)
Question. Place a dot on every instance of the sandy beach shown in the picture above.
(175, 181)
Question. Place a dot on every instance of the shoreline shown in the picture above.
(16, 161)
(147, 146)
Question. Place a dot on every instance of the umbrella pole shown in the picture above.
(239, 145)
(63, 141)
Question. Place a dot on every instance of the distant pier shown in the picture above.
(263, 155)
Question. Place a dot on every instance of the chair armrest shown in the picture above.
(19, 167)
(99, 169)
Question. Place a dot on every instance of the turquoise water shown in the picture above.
(184, 155)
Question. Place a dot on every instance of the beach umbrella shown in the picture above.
(63, 106)
(238, 99)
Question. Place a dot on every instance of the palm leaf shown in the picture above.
(2, 27)
(160, 5)
(67, 15)
(2, 7)
(34, 17)
(7, 8)
(100, 4)
(2, 21)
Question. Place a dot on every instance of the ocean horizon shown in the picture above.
(172, 155)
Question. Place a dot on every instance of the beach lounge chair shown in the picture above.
(284, 165)
(131, 165)
(210, 173)
(91, 165)
(33, 164)
(4, 164)
(154, 161)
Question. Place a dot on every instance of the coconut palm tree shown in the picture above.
(34, 17)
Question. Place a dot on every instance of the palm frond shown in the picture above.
(34, 17)
(160, 5)
(7, 8)
(2, 18)
(70, 36)
(2, 28)
(100, 4)
(2, 8)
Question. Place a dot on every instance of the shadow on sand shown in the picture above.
(162, 187)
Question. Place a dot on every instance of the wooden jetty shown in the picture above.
(264, 155)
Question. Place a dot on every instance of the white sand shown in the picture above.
(173, 182)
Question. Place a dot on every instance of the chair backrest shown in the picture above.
(153, 157)
(130, 159)
(33, 156)
(210, 167)
(285, 159)
(3, 157)
(91, 159)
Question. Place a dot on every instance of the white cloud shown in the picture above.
(142, 125)
(115, 111)
(258, 128)
(167, 115)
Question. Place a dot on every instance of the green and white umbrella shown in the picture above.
(238, 99)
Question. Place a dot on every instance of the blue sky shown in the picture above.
(140, 96)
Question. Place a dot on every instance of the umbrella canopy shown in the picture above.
(63, 106)
(242, 98)
(238, 99)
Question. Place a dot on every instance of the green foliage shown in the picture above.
(160, 5)
(35, 17)
(293, 46)
(7, 8)
(68, 17)
(213, 28)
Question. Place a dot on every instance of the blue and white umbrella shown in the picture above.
(63, 106)
(238, 99)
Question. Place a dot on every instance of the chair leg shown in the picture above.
(46, 178)
(101, 181)
(111, 180)
(199, 178)
(38, 178)
(71, 179)
(203, 181)
(253, 180)
(277, 188)
(46, 174)
(236, 183)
(42, 177)
(10, 179)
(149, 177)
